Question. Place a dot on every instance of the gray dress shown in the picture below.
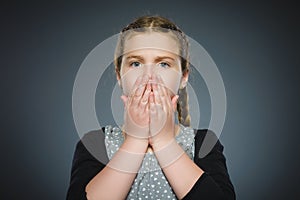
(150, 182)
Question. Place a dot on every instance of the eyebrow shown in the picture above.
(133, 56)
(157, 58)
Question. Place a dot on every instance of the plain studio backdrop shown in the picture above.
(254, 45)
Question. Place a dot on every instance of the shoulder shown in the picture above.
(92, 145)
(206, 141)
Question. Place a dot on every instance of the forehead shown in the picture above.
(151, 40)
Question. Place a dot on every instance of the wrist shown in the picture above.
(126, 161)
(169, 153)
(158, 144)
(158, 141)
(136, 145)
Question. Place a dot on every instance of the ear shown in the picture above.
(184, 80)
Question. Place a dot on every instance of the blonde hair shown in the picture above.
(160, 24)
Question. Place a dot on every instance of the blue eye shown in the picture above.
(135, 64)
(164, 64)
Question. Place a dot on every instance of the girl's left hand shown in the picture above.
(162, 110)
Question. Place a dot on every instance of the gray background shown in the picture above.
(255, 46)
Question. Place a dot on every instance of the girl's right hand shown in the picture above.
(136, 112)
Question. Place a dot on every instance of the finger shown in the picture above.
(147, 109)
(164, 95)
(140, 90)
(138, 95)
(158, 112)
(152, 105)
(124, 99)
(154, 89)
(135, 86)
(157, 99)
(168, 98)
(160, 106)
(152, 114)
(174, 102)
(159, 95)
(143, 104)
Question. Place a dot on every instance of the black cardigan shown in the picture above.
(214, 183)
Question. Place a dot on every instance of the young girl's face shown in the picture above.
(151, 54)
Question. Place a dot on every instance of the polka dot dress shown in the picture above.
(150, 182)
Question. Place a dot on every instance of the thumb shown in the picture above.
(124, 99)
(174, 102)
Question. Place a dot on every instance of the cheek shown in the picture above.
(171, 79)
(128, 80)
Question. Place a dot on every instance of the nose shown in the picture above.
(149, 69)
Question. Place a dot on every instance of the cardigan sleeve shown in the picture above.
(215, 182)
(85, 165)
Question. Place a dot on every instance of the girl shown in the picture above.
(150, 157)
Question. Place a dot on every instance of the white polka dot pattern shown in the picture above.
(150, 182)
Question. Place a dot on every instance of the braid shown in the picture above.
(184, 117)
